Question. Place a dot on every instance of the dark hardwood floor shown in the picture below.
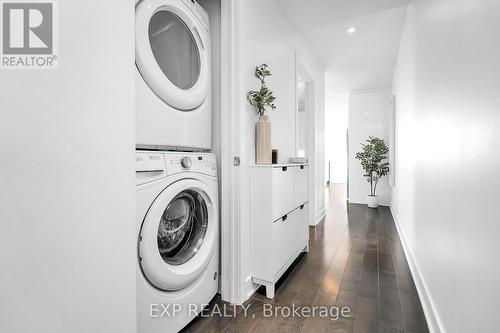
(355, 260)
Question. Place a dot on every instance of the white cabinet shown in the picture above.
(282, 187)
(301, 189)
(300, 229)
(282, 242)
(279, 220)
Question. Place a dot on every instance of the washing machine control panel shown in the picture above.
(149, 167)
(191, 162)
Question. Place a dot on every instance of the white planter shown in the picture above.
(263, 151)
(372, 201)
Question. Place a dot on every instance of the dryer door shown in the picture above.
(172, 53)
(178, 235)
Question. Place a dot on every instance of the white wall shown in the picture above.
(447, 186)
(336, 124)
(67, 233)
(368, 116)
(267, 37)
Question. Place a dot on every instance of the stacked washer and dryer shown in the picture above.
(176, 175)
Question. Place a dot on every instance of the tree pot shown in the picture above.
(263, 152)
(372, 201)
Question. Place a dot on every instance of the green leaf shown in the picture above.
(263, 98)
(373, 158)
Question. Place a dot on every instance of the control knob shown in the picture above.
(186, 162)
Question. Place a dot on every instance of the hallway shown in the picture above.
(356, 260)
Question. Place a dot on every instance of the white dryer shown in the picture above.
(173, 75)
(177, 235)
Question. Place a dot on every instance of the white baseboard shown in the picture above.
(385, 202)
(250, 287)
(428, 306)
(319, 217)
(381, 201)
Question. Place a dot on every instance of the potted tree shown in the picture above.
(373, 159)
(262, 99)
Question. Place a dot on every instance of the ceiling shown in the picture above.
(362, 60)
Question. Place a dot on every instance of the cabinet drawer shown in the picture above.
(282, 242)
(283, 189)
(300, 228)
(301, 190)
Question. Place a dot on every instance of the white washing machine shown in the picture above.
(177, 233)
(173, 75)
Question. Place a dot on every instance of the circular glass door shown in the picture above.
(182, 228)
(172, 53)
(174, 49)
(178, 235)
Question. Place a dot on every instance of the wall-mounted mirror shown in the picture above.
(304, 109)
(302, 116)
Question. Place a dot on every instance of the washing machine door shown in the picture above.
(178, 235)
(172, 53)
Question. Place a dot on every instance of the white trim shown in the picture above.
(225, 167)
(368, 90)
(311, 153)
(319, 217)
(296, 76)
(385, 201)
(392, 142)
(433, 321)
(230, 147)
(251, 287)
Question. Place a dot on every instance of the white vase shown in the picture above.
(372, 201)
(263, 151)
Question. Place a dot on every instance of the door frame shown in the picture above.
(234, 207)
(231, 237)
(312, 109)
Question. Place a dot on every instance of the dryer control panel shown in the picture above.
(199, 12)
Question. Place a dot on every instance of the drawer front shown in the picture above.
(300, 227)
(283, 191)
(282, 242)
(301, 190)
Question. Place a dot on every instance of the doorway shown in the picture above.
(336, 128)
(305, 128)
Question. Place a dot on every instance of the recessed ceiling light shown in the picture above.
(351, 30)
